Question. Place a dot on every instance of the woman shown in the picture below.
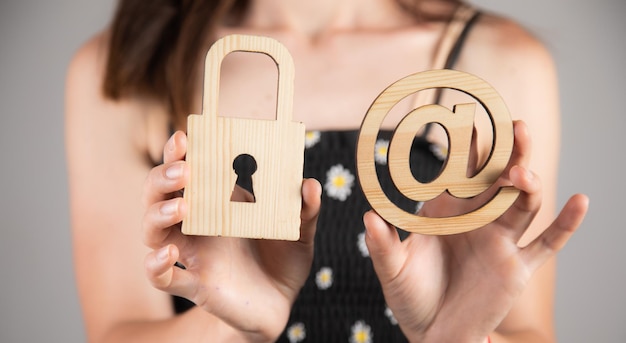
(354, 279)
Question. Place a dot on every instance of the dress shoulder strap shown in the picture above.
(449, 48)
(454, 36)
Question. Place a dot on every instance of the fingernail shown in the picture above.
(163, 254)
(175, 171)
(169, 208)
(529, 175)
(171, 144)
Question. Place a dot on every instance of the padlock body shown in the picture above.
(278, 149)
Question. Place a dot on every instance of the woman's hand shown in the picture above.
(458, 288)
(249, 284)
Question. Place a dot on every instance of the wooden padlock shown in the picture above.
(277, 147)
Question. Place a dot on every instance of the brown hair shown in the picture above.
(155, 45)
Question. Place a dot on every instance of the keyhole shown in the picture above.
(244, 166)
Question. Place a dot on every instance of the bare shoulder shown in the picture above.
(84, 81)
(504, 38)
(91, 54)
(516, 63)
(499, 46)
(85, 72)
(503, 32)
(130, 122)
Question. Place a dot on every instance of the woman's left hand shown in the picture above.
(458, 288)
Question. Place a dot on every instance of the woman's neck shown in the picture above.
(316, 19)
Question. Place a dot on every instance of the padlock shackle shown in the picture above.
(265, 45)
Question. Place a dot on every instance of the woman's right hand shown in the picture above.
(249, 284)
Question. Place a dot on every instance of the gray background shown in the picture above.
(37, 38)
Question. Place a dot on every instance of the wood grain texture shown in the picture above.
(277, 147)
(459, 124)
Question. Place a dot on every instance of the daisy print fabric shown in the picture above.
(381, 149)
(311, 138)
(339, 182)
(324, 278)
(296, 333)
(361, 333)
(360, 242)
(389, 314)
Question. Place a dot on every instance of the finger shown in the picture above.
(163, 180)
(519, 216)
(159, 220)
(163, 275)
(522, 145)
(520, 156)
(311, 201)
(385, 248)
(175, 148)
(554, 238)
(472, 164)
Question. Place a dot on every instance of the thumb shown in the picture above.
(384, 245)
(311, 200)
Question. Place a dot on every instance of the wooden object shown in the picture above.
(277, 147)
(453, 179)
